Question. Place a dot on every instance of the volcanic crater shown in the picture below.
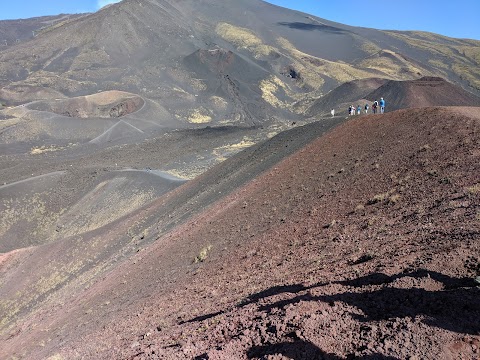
(108, 104)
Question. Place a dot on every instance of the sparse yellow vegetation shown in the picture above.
(244, 39)
(186, 175)
(269, 87)
(438, 64)
(47, 283)
(198, 85)
(31, 208)
(313, 68)
(56, 357)
(370, 47)
(305, 64)
(54, 81)
(103, 205)
(389, 196)
(45, 149)
(472, 52)
(432, 172)
(9, 309)
(57, 25)
(468, 73)
(180, 90)
(359, 207)
(394, 198)
(88, 58)
(219, 102)
(55, 275)
(378, 198)
(456, 51)
(222, 152)
(393, 65)
(199, 116)
(202, 256)
(474, 189)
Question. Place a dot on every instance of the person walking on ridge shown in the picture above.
(375, 106)
(366, 108)
(359, 110)
(351, 110)
(382, 105)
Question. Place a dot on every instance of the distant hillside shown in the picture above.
(427, 91)
(13, 32)
(424, 92)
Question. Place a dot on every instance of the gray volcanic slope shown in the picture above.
(195, 63)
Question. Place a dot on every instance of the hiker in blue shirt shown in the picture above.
(382, 106)
(359, 109)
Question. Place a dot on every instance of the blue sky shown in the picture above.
(20, 9)
(460, 18)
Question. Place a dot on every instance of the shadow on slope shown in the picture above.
(299, 349)
(456, 307)
(312, 27)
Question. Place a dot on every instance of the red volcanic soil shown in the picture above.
(363, 244)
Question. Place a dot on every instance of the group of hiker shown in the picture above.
(377, 106)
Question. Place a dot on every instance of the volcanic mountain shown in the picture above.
(249, 65)
(294, 227)
(140, 47)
